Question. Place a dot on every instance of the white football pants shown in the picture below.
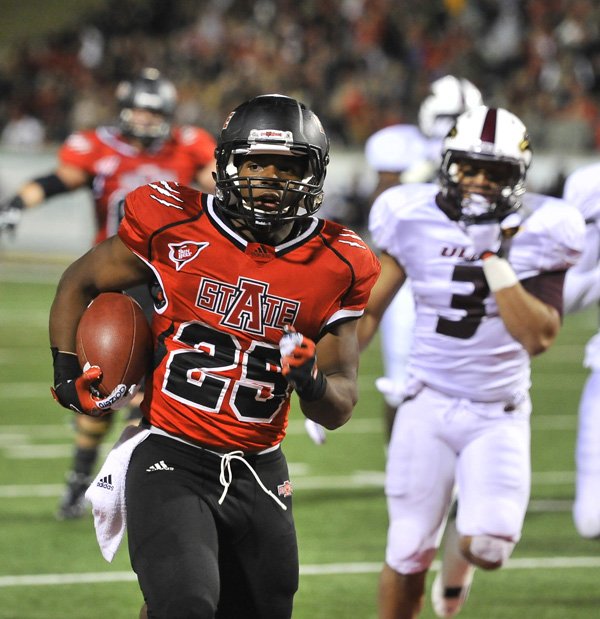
(438, 440)
(586, 509)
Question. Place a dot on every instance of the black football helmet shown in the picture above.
(148, 91)
(278, 125)
(493, 139)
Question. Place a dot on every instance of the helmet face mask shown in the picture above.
(152, 94)
(271, 127)
(489, 144)
(146, 130)
(265, 202)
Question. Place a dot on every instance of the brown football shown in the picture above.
(113, 333)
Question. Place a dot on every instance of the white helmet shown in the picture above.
(449, 97)
(495, 139)
(395, 148)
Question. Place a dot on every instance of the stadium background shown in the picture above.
(361, 65)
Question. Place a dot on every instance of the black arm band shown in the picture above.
(66, 366)
(51, 184)
(314, 389)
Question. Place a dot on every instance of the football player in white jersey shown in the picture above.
(406, 153)
(487, 263)
(582, 289)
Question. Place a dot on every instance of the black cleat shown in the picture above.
(73, 503)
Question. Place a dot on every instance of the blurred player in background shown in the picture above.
(112, 161)
(265, 291)
(406, 153)
(403, 154)
(487, 299)
(582, 289)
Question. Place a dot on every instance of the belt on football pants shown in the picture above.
(226, 475)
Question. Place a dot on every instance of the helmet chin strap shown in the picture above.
(270, 234)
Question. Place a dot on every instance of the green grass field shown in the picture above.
(54, 570)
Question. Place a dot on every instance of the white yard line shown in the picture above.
(360, 480)
(32, 580)
(357, 425)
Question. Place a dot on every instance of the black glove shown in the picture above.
(10, 213)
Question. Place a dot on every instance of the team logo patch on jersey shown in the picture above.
(182, 253)
(285, 489)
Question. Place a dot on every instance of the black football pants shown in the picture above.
(196, 559)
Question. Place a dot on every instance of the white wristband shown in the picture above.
(498, 273)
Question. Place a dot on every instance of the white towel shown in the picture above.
(107, 492)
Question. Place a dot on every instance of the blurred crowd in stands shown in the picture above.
(360, 64)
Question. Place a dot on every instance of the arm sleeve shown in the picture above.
(548, 288)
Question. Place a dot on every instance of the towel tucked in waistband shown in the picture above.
(107, 492)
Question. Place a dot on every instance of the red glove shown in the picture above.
(299, 365)
(75, 390)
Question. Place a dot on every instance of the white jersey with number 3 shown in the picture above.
(461, 346)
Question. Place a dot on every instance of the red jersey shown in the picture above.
(217, 379)
(117, 167)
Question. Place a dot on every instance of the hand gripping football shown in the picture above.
(113, 333)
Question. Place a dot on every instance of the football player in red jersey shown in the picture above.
(254, 289)
(113, 161)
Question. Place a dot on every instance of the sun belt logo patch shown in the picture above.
(182, 253)
(285, 489)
